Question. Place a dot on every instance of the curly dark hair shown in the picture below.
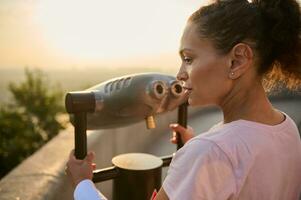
(270, 27)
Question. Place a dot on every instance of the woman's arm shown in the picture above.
(86, 190)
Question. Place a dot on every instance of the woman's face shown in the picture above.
(203, 70)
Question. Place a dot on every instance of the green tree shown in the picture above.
(29, 120)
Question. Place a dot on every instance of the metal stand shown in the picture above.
(80, 135)
(79, 104)
(139, 175)
(135, 176)
(182, 120)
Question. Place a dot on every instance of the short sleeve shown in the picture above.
(200, 170)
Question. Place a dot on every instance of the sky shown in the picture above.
(92, 33)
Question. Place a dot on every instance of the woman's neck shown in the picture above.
(251, 104)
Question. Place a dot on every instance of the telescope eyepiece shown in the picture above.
(158, 89)
(176, 88)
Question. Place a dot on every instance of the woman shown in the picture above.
(232, 52)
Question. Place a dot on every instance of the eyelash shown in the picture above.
(187, 60)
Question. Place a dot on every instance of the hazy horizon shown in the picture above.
(71, 79)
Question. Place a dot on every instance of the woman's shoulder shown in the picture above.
(212, 141)
(198, 151)
(200, 148)
(242, 140)
(236, 131)
(221, 133)
(223, 140)
(197, 170)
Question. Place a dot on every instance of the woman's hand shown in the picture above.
(78, 170)
(185, 133)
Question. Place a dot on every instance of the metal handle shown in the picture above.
(80, 135)
(108, 173)
(182, 120)
(80, 103)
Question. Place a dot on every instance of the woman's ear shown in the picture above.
(242, 58)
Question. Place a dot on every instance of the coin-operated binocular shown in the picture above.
(123, 101)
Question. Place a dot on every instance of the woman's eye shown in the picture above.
(187, 60)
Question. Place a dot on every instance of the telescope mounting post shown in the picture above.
(79, 104)
(182, 120)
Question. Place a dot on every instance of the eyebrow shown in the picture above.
(185, 49)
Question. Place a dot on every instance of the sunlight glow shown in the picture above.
(92, 33)
(96, 29)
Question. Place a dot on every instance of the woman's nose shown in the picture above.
(182, 76)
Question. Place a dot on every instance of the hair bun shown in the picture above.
(281, 23)
(281, 26)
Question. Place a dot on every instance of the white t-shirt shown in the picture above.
(239, 160)
(86, 190)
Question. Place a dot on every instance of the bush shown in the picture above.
(29, 120)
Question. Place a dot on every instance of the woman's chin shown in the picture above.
(195, 102)
(192, 102)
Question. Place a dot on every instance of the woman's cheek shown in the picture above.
(197, 93)
(198, 76)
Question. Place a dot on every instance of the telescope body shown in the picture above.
(119, 102)
(126, 100)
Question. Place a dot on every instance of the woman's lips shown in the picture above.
(187, 90)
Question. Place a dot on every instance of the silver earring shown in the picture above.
(232, 75)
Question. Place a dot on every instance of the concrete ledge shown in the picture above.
(39, 176)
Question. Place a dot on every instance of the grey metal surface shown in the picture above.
(132, 98)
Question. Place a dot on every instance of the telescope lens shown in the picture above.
(159, 89)
(176, 89)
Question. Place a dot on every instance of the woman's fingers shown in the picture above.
(73, 159)
(90, 157)
(93, 166)
(178, 128)
(173, 139)
(185, 133)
